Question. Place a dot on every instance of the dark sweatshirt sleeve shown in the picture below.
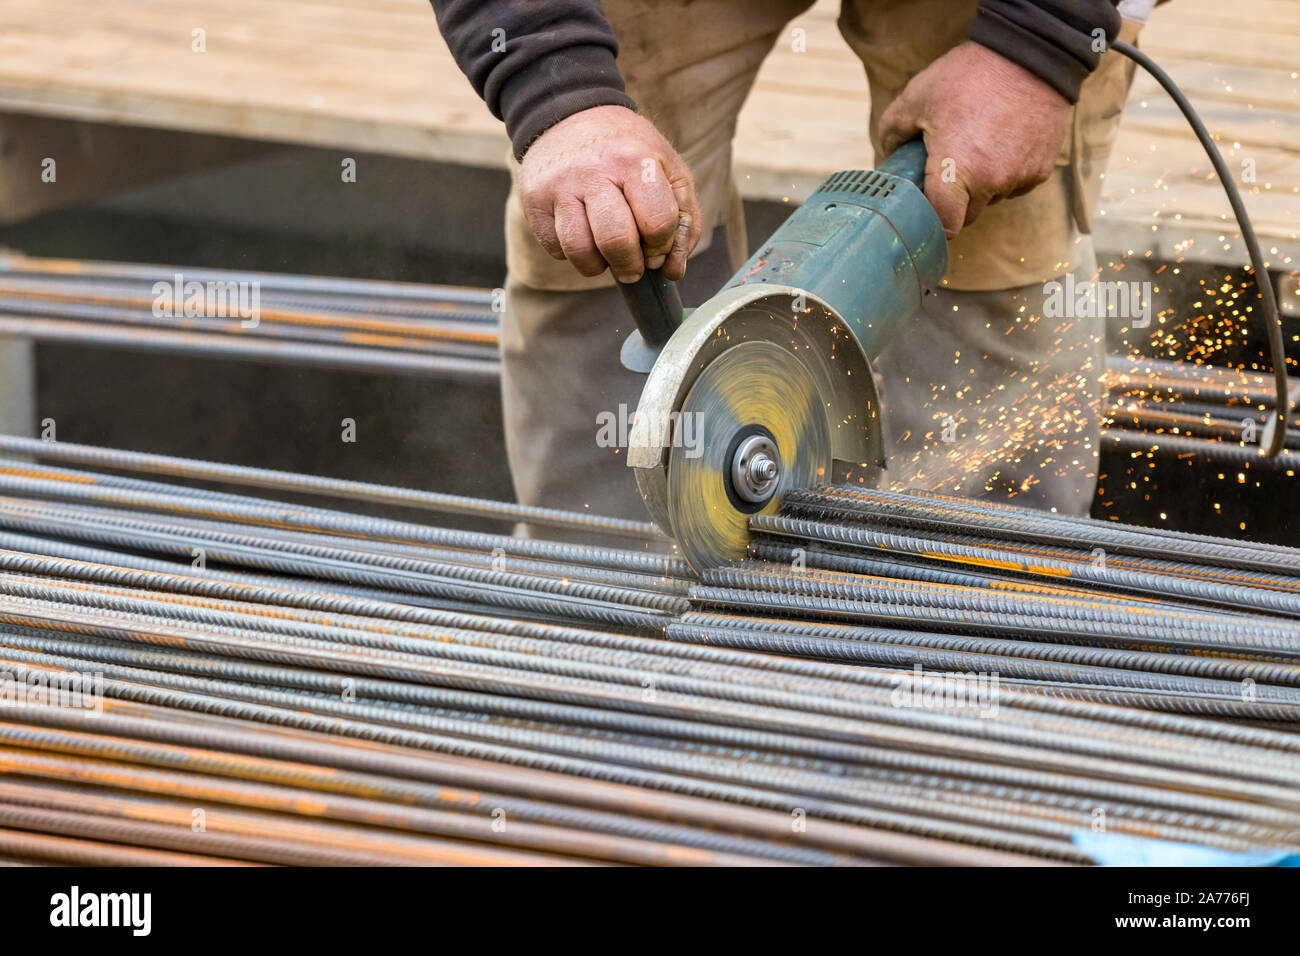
(534, 62)
(1050, 38)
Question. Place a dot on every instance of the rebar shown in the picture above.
(457, 697)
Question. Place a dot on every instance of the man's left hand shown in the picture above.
(992, 130)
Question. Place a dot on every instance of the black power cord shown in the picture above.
(1275, 432)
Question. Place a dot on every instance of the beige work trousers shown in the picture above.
(982, 395)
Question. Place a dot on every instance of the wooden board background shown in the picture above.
(374, 75)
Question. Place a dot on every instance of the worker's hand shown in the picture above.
(992, 130)
(604, 187)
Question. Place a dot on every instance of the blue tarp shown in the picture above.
(1122, 849)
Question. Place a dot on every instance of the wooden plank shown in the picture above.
(374, 75)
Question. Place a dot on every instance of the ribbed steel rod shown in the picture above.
(1016, 558)
(67, 851)
(326, 331)
(185, 584)
(86, 269)
(170, 744)
(324, 688)
(268, 351)
(592, 646)
(908, 567)
(1231, 452)
(61, 477)
(291, 517)
(1183, 627)
(839, 641)
(1129, 373)
(676, 693)
(486, 595)
(312, 484)
(1223, 426)
(900, 652)
(272, 319)
(388, 665)
(333, 849)
(956, 508)
(1025, 526)
(671, 844)
(884, 797)
(1081, 785)
(213, 538)
(972, 621)
(403, 791)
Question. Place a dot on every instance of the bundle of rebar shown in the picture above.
(1153, 405)
(208, 676)
(355, 324)
(1207, 412)
(1144, 617)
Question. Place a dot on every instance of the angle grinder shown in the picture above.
(767, 386)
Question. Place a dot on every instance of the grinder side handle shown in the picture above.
(655, 304)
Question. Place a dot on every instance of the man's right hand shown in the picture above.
(603, 187)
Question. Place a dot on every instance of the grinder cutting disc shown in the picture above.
(752, 425)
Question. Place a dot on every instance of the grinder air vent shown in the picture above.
(862, 182)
